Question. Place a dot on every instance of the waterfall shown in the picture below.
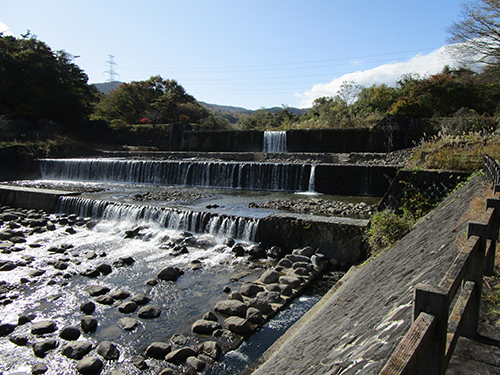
(312, 179)
(240, 228)
(274, 142)
(218, 174)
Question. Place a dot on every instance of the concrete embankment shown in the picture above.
(38, 199)
(358, 327)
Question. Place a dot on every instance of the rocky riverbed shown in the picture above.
(318, 206)
(79, 296)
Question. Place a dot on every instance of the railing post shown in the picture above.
(434, 301)
(475, 274)
(494, 228)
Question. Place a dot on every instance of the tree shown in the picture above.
(476, 36)
(155, 100)
(37, 83)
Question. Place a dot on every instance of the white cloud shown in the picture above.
(388, 73)
(5, 29)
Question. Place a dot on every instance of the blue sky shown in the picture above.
(244, 53)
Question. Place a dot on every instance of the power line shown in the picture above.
(112, 73)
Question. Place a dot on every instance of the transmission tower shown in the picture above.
(112, 73)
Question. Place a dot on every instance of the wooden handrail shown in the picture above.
(428, 346)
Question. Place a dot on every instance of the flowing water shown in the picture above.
(274, 142)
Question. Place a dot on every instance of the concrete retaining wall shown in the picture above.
(337, 240)
(38, 199)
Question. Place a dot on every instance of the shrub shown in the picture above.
(386, 228)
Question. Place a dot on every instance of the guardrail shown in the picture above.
(428, 346)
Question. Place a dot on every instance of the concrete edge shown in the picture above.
(32, 198)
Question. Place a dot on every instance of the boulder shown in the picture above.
(292, 281)
(91, 273)
(285, 263)
(205, 327)
(40, 349)
(127, 307)
(271, 297)
(128, 324)
(297, 258)
(256, 252)
(179, 355)
(89, 366)
(237, 325)
(69, 333)
(195, 363)
(270, 277)
(19, 340)
(76, 349)
(179, 339)
(43, 327)
(140, 299)
(319, 260)
(104, 268)
(261, 304)
(6, 329)
(39, 368)
(158, 350)
(238, 250)
(108, 350)
(88, 324)
(210, 349)
(235, 296)
(169, 274)
(96, 290)
(210, 316)
(231, 307)
(149, 312)
(305, 251)
(105, 300)
(87, 307)
(250, 290)
(255, 316)
(139, 362)
(7, 265)
(25, 318)
(276, 252)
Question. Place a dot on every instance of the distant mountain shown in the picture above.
(233, 114)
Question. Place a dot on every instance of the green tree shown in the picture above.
(37, 83)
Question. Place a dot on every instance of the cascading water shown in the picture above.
(239, 228)
(312, 179)
(248, 175)
(274, 142)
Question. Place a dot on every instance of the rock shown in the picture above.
(105, 300)
(87, 307)
(210, 349)
(127, 307)
(235, 296)
(238, 250)
(19, 340)
(237, 325)
(108, 350)
(285, 263)
(292, 281)
(70, 230)
(39, 368)
(40, 349)
(36, 273)
(271, 297)
(180, 355)
(229, 242)
(210, 316)
(124, 261)
(319, 260)
(306, 251)
(120, 294)
(250, 290)
(149, 312)
(43, 327)
(276, 252)
(92, 273)
(158, 350)
(256, 252)
(297, 258)
(284, 289)
(302, 271)
(139, 362)
(6, 329)
(179, 339)
(7, 265)
(96, 290)
(205, 327)
(261, 304)
(167, 371)
(25, 318)
(195, 363)
(169, 274)
(77, 349)
(269, 277)
(308, 266)
(226, 289)
(231, 307)
(89, 366)
(69, 333)
(105, 269)
(88, 324)
(140, 299)
(254, 315)
(128, 324)
(151, 282)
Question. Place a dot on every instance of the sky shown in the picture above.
(244, 53)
